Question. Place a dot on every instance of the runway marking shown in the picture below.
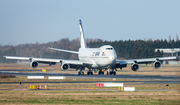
(55, 77)
(129, 88)
(35, 77)
(113, 84)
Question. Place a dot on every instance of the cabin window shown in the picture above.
(109, 48)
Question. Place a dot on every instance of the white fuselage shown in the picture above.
(103, 57)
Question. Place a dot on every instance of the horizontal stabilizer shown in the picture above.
(75, 52)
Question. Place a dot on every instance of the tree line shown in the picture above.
(125, 49)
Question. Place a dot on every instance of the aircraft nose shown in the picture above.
(111, 58)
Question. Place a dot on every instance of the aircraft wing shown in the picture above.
(51, 61)
(144, 61)
(32, 59)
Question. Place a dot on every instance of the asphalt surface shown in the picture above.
(96, 89)
(86, 70)
(128, 82)
(118, 76)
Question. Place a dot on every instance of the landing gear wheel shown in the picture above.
(89, 73)
(114, 73)
(110, 72)
(79, 73)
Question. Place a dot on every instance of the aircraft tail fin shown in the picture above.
(83, 41)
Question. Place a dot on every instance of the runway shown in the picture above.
(146, 77)
(85, 70)
(90, 90)
(127, 82)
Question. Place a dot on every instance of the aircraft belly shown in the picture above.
(101, 63)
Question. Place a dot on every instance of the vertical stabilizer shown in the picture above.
(83, 41)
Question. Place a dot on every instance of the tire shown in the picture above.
(79, 73)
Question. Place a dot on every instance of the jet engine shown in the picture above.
(64, 66)
(34, 64)
(134, 67)
(157, 64)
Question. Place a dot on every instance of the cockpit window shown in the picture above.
(109, 48)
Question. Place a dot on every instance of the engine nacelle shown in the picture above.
(34, 64)
(157, 64)
(134, 67)
(64, 66)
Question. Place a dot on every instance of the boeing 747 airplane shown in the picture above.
(93, 58)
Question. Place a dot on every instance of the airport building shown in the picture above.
(170, 52)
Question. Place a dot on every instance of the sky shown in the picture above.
(42, 21)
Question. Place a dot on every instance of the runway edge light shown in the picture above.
(43, 70)
(32, 87)
(38, 86)
(46, 87)
(120, 88)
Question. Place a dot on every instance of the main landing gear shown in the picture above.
(111, 72)
(89, 73)
(101, 72)
(80, 70)
(80, 73)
